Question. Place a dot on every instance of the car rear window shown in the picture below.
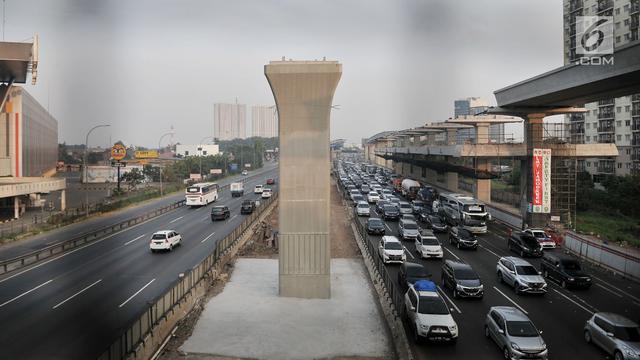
(570, 264)
(430, 240)
(411, 226)
(432, 305)
(159, 236)
(417, 271)
(392, 245)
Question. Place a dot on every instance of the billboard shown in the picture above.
(541, 194)
(215, 171)
(146, 154)
(118, 152)
(233, 167)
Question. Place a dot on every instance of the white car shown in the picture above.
(373, 197)
(428, 314)
(391, 250)
(266, 193)
(245, 172)
(164, 240)
(362, 209)
(258, 189)
(428, 245)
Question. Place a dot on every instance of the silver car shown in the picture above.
(615, 334)
(514, 334)
(405, 208)
(362, 208)
(521, 275)
(408, 229)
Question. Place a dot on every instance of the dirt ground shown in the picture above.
(343, 244)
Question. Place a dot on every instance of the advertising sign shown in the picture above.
(195, 177)
(146, 154)
(118, 152)
(247, 165)
(541, 196)
(215, 171)
(233, 167)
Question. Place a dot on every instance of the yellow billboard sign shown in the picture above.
(146, 154)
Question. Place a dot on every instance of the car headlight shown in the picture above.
(426, 327)
(629, 351)
(458, 287)
(544, 346)
(571, 279)
(481, 287)
(453, 328)
(588, 279)
(515, 346)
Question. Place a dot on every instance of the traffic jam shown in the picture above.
(474, 288)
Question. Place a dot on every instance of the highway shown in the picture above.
(560, 314)
(74, 306)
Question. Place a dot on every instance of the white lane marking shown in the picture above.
(25, 293)
(408, 252)
(207, 238)
(609, 290)
(176, 219)
(233, 217)
(451, 301)
(76, 294)
(136, 293)
(496, 255)
(513, 302)
(130, 241)
(451, 252)
(374, 211)
(617, 288)
(388, 227)
(568, 298)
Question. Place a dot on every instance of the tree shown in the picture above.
(133, 178)
(152, 172)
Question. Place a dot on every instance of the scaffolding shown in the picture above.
(558, 136)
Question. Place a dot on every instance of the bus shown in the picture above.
(201, 194)
(464, 210)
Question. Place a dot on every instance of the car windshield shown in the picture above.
(363, 206)
(435, 220)
(627, 333)
(432, 305)
(159, 236)
(465, 274)
(465, 234)
(521, 329)
(392, 245)
(417, 271)
(570, 265)
(411, 226)
(405, 205)
(217, 209)
(526, 270)
(539, 234)
(531, 242)
(430, 240)
(373, 193)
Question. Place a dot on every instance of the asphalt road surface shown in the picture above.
(74, 306)
(560, 314)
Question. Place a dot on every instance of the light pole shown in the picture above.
(84, 163)
(159, 141)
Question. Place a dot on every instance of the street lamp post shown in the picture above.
(159, 141)
(84, 163)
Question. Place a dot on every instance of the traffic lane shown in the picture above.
(51, 237)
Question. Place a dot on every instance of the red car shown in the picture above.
(271, 181)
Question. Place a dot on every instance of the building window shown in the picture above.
(627, 123)
(186, 153)
(595, 125)
(618, 25)
(618, 108)
(204, 152)
(626, 22)
(619, 165)
(628, 151)
(617, 39)
(628, 165)
(627, 137)
(619, 123)
(626, 8)
(618, 11)
(627, 108)
(588, 126)
(588, 138)
(618, 137)
(588, 163)
(594, 112)
(627, 36)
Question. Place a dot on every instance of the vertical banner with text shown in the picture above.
(541, 198)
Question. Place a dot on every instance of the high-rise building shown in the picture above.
(229, 121)
(264, 121)
(609, 120)
(475, 106)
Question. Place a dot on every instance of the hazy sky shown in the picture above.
(145, 65)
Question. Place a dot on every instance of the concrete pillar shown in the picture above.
(451, 181)
(16, 207)
(303, 92)
(452, 136)
(63, 200)
(482, 133)
(482, 188)
(533, 135)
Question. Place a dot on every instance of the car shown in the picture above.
(462, 238)
(515, 334)
(449, 215)
(245, 172)
(390, 212)
(247, 207)
(386, 193)
(258, 189)
(461, 279)
(164, 240)
(409, 273)
(405, 208)
(271, 181)
(358, 198)
(380, 205)
(362, 208)
(521, 275)
(373, 197)
(542, 237)
(408, 217)
(220, 212)
(428, 245)
(365, 189)
(408, 229)
(391, 250)
(375, 226)
(565, 270)
(615, 334)
(427, 313)
(524, 244)
(417, 206)
(435, 223)
(266, 193)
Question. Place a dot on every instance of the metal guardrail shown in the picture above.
(138, 330)
(32, 257)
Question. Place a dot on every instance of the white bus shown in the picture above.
(201, 194)
(468, 212)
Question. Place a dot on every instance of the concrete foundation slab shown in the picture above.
(249, 320)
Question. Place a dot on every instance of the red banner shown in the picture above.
(537, 178)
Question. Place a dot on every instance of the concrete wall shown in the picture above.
(303, 92)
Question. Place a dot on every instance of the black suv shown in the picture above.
(410, 273)
(461, 279)
(375, 226)
(524, 244)
(390, 212)
(565, 270)
(220, 212)
(247, 207)
(434, 223)
(462, 238)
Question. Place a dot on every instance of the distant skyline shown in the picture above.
(143, 66)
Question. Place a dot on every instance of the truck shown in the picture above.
(397, 184)
(237, 189)
(410, 188)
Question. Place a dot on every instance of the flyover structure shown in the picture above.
(303, 92)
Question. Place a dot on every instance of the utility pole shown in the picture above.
(84, 164)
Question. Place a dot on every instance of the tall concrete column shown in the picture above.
(533, 136)
(482, 133)
(63, 200)
(451, 179)
(303, 92)
(482, 188)
(16, 207)
(452, 136)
